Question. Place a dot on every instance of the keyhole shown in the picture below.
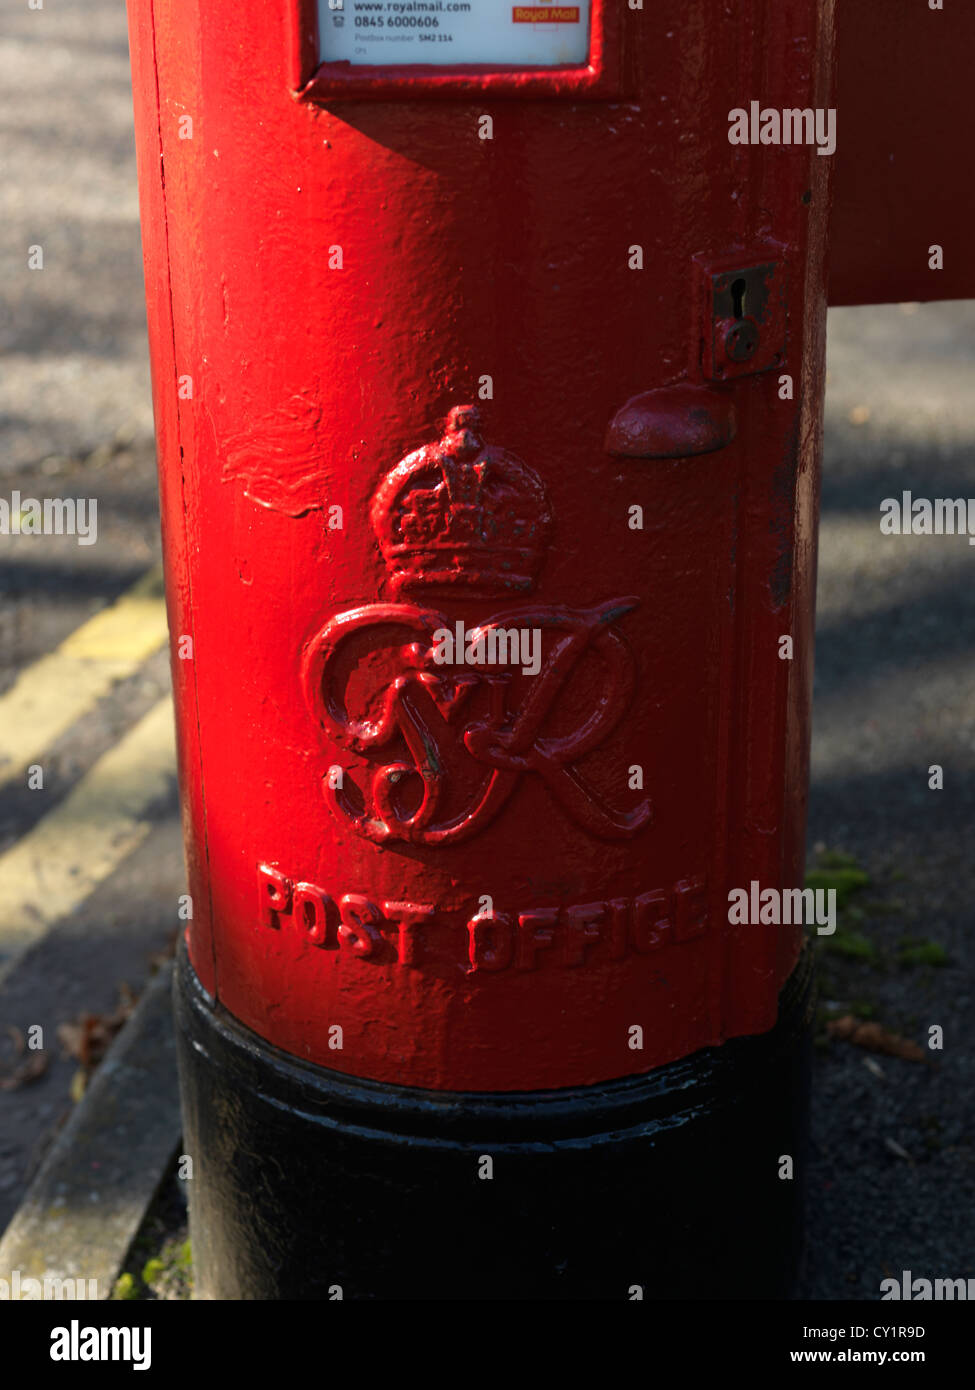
(738, 289)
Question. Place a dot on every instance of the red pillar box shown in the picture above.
(488, 377)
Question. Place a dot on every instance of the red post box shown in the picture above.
(488, 381)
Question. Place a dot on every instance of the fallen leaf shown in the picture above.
(30, 1070)
(160, 958)
(874, 1038)
(88, 1037)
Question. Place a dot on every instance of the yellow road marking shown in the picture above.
(45, 875)
(58, 689)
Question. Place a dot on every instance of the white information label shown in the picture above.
(540, 34)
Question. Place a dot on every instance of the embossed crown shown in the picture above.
(460, 515)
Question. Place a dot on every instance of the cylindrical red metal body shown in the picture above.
(416, 369)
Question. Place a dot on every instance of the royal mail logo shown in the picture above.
(440, 748)
(535, 14)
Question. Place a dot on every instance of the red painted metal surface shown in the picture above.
(484, 876)
(903, 155)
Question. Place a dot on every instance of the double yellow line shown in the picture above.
(57, 864)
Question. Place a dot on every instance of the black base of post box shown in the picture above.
(311, 1185)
